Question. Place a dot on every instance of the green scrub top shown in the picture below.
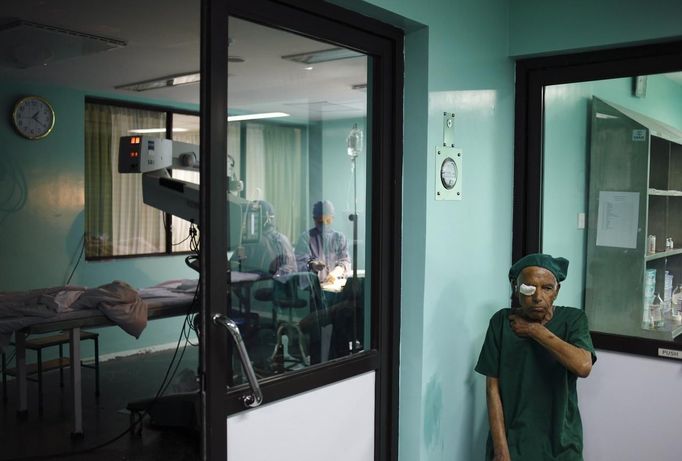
(539, 397)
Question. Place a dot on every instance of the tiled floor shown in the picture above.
(123, 380)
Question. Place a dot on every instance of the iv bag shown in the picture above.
(354, 141)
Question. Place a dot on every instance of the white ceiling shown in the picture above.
(162, 38)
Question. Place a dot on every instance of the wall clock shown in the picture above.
(33, 117)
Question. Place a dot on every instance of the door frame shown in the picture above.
(213, 221)
(384, 43)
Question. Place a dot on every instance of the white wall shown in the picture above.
(332, 423)
(630, 407)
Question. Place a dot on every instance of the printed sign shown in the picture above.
(617, 219)
(639, 135)
(670, 353)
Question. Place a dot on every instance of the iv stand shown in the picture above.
(354, 142)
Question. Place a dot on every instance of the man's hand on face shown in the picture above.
(522, 326)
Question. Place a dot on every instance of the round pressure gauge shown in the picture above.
(448, 173)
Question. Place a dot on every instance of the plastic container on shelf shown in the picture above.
(651, 244)
(656, 311)
(667, 292)
(676, 305)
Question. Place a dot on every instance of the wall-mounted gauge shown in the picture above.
(448, 173)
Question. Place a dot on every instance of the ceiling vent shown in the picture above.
(25, 44)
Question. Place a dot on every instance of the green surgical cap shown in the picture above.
(557, 266)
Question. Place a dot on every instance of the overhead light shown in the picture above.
(156, 130)
(308, 68)
(163, 82)
(237, 118)
(330, 54)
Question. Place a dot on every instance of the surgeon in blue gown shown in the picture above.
(324, 251)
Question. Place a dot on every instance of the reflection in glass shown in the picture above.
(298, 225)
(612, 200)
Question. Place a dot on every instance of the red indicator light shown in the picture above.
(135, 140)
(134, 154)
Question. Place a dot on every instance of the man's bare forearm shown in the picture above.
(578, 361)
(496, 420)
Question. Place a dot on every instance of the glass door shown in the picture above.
(298, 203)
(237, 166)
(300, 246)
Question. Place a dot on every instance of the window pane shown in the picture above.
(117, 222)
(612, 201)
(185, 129)
(298, 237)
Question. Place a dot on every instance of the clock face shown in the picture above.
(33, 117)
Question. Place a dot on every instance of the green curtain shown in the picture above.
(98, 215)
(286, 178)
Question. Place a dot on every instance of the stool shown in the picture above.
(40, 343)
(265, 295)
(285, 296)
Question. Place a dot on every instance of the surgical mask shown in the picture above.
(322, 227)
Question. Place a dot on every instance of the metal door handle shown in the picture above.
(255, 398)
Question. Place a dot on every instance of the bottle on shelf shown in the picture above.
(667, 292)
(656, 311)
(651, 244)
(649, 291)
(676, 306)
(646, 315)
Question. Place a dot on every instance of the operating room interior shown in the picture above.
(296, 127)
(314, 143)
(291, 162)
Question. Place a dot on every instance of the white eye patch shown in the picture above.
(526, 289)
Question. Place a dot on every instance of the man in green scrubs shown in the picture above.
(532, 357)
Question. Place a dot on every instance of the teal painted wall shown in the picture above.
(567, 109)
(455, 254)
(543, 26)
(41, 241)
